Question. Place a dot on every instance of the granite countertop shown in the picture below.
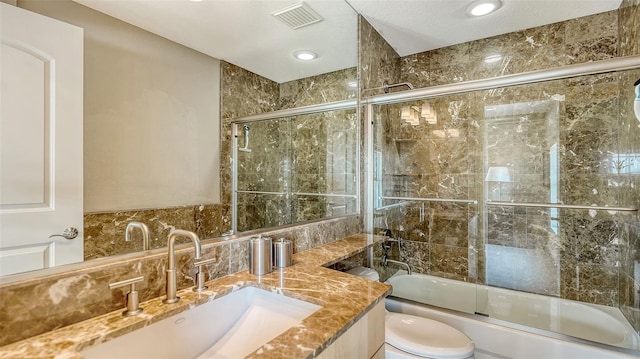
(344, 299)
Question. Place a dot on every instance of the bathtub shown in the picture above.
(568, 318)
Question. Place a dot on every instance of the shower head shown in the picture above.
(385, 86)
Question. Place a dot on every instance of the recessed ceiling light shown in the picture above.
(305, 55)
(483, 7)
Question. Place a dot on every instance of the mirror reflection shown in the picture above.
(153, 134)
(295, 169)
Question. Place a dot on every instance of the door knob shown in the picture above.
(69, 233)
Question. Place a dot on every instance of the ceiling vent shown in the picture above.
(298, 15)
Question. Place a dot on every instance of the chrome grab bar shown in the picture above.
(300, 194)
(469, 201)
(323, 194)
(515, 204)
(560, 205)
(260, 192)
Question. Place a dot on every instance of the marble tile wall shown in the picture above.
(105, 231)
(38, 305)
(330, 87)
(629, 284)
(378, 62)
(629, 28)
(581, 252)
(574, 41)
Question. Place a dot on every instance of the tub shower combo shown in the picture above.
(515, 198)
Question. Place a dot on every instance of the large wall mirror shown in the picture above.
(154, 123)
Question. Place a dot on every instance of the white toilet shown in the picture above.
(410, 336)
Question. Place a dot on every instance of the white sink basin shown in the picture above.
(229, 327)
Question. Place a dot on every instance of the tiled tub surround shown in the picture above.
(66, 296)
(591, 257)
(344, 299)
(104, 232)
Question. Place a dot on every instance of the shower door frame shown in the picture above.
(591, 68)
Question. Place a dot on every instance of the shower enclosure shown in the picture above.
(527, 183)
(297, 165)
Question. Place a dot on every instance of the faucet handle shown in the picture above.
(132, 296)
(200, 274)
(204, 262)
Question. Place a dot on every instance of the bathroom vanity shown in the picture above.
(348, 321)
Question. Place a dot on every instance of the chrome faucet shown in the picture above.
(171, 265)
(146, 235)
(386, 260)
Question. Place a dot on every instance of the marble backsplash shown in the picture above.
(105, 232)
(38, 305)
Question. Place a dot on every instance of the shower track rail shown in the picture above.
(300, 194)
(263, 192)
(560, 205)
(325, 195)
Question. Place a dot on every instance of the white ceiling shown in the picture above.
(244, 33)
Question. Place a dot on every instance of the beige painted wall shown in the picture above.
(151, 118)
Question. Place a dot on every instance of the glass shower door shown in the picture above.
(263, 174)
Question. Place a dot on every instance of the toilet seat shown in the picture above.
(426, 338)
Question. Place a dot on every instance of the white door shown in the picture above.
(41, 69)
